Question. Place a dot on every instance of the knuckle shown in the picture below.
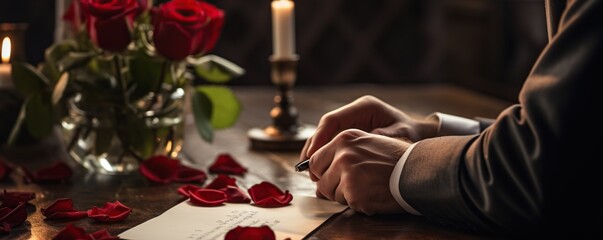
(328, 118)
(349, 135)
(368, 99)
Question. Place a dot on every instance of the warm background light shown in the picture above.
(6, 46)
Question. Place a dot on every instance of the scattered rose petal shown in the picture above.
(12, 199)
(102, 234)
(183, 190)
(236, 195)
(71, 232)
(4, 228)
(266, 194)
(208, 197)
(222, 181)
(110, 212)
(62, 208)
(244, 233)
(187, 174)
(13, 216)
(160, 169)
(59, 171)
(226, 164)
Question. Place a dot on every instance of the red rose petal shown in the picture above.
(62, 208)
(160, 169)
(244, 233)
(222, 181)
(102, 234)
(183, 190)
(59, 171)
(226, 164)
(208, 197)
(187, 174)
(12, 199)
(4, 228)
(267, 194)
(110, 212)
(13, 216)
(70, 232)
(236, 195)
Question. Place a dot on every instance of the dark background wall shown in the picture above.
(485, 45)
(38, 15)
(491, 45)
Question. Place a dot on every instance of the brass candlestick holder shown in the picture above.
(285, 133)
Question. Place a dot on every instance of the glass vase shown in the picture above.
(115, 139)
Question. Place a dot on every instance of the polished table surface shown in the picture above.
(149, 200)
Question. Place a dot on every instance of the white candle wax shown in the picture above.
(5, 76)
(283, 29)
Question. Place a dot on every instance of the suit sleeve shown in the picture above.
(533, 167)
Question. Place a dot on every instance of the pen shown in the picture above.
(302, 166)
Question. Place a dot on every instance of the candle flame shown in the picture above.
(6, 46)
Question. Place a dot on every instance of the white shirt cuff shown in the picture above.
(394, 183)
(455, 125)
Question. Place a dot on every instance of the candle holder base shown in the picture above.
(274, 139)
(285, 133)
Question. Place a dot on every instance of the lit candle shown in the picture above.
(5, 68)
(283, 29)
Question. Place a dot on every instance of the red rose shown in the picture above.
(109, 22)
(186, 27)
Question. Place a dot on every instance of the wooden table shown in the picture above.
(149, 200)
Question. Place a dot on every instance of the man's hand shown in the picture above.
(372, 115)
(354, 169)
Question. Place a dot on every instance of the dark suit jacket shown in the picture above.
(536, 168)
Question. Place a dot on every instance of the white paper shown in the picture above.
(185, 221)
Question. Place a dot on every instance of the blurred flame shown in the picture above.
(6, 46)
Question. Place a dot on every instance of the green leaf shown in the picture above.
(215, 69)
(39, 116)
(225, 105)
(50, 73)
(27, 79)
(138, 135)
(52, 56)
(14, 133)
(57, 51)
(202, 110)
(145, 74)
(75, 60)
